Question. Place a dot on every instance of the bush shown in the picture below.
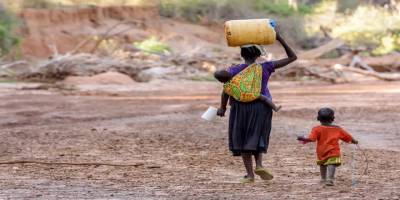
(198, 10)
(347, 6)
(374, 27)
(37, 4)
(293, 28)
(7, 38)
(282, 8)
(152, 45)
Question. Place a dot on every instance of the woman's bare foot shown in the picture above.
(247, 179)
(263, 173)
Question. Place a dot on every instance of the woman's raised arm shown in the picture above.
(291, 56)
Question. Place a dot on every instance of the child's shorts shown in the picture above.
(330, 161)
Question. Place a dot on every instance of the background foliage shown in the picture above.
(8, 22)
(374, 24)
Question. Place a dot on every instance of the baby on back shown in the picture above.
(224, 76)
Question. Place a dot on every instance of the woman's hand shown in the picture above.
(221, 112)
(224, 101)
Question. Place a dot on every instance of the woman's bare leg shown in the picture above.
(258, 158)
(260, 170)
(248, 164)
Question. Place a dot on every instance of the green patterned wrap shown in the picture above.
(246, 85)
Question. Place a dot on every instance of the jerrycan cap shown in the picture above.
(272, 23)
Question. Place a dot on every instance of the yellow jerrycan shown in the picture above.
(250, 31)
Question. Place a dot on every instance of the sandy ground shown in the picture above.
(157, 127)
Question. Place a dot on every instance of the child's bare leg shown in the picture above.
(270, 103)
(330, 175)
(322, 169)
(248, 164)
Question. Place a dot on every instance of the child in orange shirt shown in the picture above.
(327, 136)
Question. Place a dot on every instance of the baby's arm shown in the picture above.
(270, 103)
(224, 101)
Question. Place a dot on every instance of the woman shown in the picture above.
(250, 123)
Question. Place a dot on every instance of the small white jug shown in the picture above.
(210, 114)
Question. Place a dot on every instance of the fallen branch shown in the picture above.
(381, 76)
(8, 65)
(319, 75)
(387, 62)
(68, 163)
(319, 51)
(82, 65)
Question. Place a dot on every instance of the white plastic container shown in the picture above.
(210, 114)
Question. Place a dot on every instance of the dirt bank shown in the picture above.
(65, 28)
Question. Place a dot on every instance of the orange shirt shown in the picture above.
(327, 138)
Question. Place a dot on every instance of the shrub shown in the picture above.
(198, 10)
(37, 4)
(346, 6)
(152, 45)
(374, 27)
(8, 40)
(282, 8)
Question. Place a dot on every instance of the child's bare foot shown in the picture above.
(277, 108)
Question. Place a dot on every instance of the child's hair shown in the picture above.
(250, 53)
(326, 115)
(222, 76)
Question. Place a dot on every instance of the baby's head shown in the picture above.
(222, 76)
(326, 115)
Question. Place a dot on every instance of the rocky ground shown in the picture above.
(157, 128)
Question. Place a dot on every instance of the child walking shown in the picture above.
(327, 136)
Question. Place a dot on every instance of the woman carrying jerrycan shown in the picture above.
(246, 87)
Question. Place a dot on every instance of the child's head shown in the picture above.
(250, 52)
(222, 76)
(326, 115)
